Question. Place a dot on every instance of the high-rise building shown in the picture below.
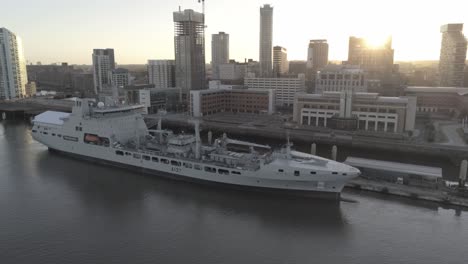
(280, 61)
(161, 73)
(266, 40)
(376, 60)
(103, 62)
(13, 74)
(452, 55)
(189, 46)
(317, 56)
(219, 52)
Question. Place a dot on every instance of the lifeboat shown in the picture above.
(91, 138)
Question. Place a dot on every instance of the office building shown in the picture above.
(161, 73)
(103, 62)
(452, 55)
(31, 89)
(232, 71)
(442, 100)
(362, 111)
(208, 102)
(219, 52)
(317, 56)
(13, 74)
(119, 77)
(376, 60)
(337, 78)
(297, 67)
(280, 61)
(285, 88)
(252, 68)
(189, 47)
(266, 40)
(83, 84)
(54, 77)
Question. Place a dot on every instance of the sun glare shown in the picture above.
(376, 41)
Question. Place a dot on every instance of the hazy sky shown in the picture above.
(66, 30)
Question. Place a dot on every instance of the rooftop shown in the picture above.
(425, 89)
(51, 117)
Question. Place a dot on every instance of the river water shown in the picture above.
(55, 209)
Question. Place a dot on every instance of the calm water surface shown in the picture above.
(55, 209)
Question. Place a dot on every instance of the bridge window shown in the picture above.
(187, 165)
(154, 159)
(313, 172)
(344, 174)
(165, 161)
(119, 152)
(236, 172)
(221, 171)
(296, 173)
(197, 167)
(75, 139)
(128, 153)
(34, 131)
(146, 157)
(334, 172)
(136, 156)
(280, 170)
(209, 169)
(175, 163)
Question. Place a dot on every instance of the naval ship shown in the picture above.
(118, 135)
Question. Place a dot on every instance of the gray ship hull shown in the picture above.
(171, 176)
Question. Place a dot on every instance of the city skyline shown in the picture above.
(139, 33)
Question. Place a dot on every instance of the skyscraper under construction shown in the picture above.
(189, 47)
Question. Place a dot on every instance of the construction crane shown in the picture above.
(203, 11)
(203, 6)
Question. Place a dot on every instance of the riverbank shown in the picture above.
(441, 196)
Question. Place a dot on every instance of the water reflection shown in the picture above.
(116, 189)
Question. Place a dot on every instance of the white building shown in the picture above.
(216, 84)
(103, 62)
(219, 52)
(364, 111)
(280, 60)
(13, 75)
(161, 73)
(266, 40)
(337, 78)
(285, 88)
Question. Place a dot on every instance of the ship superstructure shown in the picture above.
(118, 135)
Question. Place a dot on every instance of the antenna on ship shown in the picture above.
(196, 124)
(288, 145)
